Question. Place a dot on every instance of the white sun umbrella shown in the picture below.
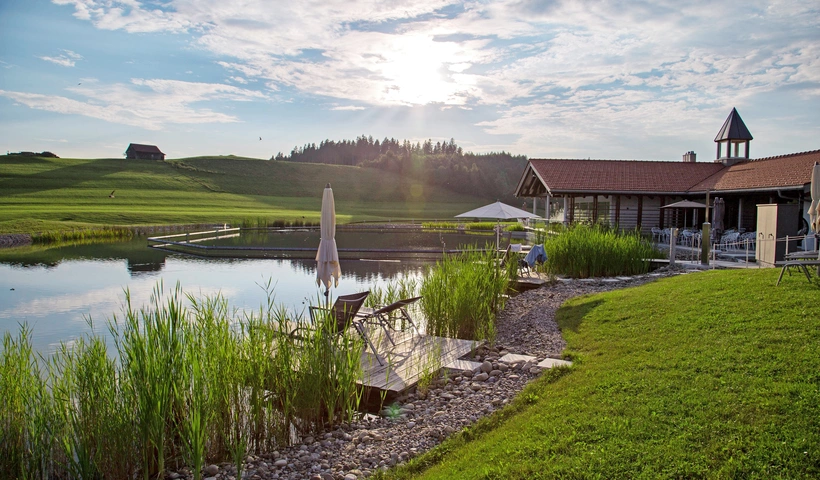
(814, 208)
(327, 258)
(498, 211)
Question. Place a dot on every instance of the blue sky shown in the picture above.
(603, 79)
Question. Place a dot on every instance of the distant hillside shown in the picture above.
(443, 163)
(38, 194)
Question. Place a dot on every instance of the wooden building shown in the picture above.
(137, 151)
(631, 193)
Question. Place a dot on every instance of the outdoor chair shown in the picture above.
(343, 314)
(386, 316)
(730, 241)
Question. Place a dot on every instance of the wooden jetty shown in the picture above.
(413, 357)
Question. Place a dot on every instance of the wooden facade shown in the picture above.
(136, 151)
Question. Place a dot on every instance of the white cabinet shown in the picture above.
(774, 223)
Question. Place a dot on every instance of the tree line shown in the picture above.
(443, 163)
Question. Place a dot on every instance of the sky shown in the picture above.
(645, 80)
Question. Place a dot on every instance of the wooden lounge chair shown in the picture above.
(388, 315)
(344, 315)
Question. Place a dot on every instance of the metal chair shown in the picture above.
(343, 314)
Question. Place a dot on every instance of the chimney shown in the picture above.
(689, 157)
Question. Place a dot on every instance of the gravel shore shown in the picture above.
(418, 422)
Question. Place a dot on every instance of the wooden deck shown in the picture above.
(410, 359)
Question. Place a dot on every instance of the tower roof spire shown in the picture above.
(733, 129)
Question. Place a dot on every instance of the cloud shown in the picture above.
(149, 104)
(605, 62)
(348, 107)
(65, 59)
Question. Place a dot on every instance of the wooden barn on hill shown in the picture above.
(137, 151)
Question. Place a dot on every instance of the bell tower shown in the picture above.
(733, 133)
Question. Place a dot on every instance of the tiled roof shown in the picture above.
(613, 176)
(764, 173)
(622, 175)
(145, 148)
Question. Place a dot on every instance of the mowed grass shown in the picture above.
(705, 375)
(39, 194)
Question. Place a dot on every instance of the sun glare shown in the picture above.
(416, 74)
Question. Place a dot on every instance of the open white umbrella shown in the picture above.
(814, 208)
(327, 258)
(498, 211)
(685, 205)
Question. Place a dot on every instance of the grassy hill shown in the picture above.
(39, 194)
(707, 375)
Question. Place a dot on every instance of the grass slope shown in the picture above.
(707, 375)
(46, 193)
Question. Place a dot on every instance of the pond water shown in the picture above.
(56, 290)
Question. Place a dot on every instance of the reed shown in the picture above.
(82, 235)
(92, 424)
(487, 226)
(462, 294)
(583, 251)
(194, 383)
(26, 420)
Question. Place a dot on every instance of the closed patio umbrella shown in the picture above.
(814, 208)
(327, 258)
(718, 209)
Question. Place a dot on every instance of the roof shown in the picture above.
(733, 129)
(145, 148)
(783, 171)
(612, 176)
(652, 177)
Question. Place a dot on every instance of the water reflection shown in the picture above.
(56, 291)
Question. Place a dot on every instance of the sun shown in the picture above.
(416, 71)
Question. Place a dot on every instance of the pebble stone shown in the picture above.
(354, 451)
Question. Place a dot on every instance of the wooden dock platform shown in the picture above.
(413, 357)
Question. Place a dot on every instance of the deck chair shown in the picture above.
(387, 316)
(343, 312)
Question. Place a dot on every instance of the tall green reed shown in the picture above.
(83, 235)
(150, 348)
(583, 251)
(193, 383)
(462, 294)
(26, 417)
(94, 427)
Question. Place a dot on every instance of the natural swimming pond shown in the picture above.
(55, 290)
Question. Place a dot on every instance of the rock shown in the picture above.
(486, 367)
(350, 476)
(280, 463)
(496, 373)
(481, 377)
(211, 470)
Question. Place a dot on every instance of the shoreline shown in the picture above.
(421, 421)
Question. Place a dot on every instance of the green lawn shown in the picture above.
(706, 375)
(42, 194)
